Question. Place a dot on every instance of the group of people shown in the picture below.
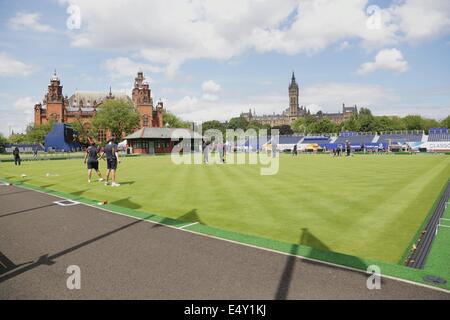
(341, 149)
(94, 154)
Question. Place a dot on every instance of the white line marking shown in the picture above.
(253, 246)
(444, 219)
(61, 203)
(443, 225)
(188, 225)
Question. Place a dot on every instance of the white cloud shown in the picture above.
(210, 87)
(17, 117)
(13, 67)
(123, 67)
(387, 59)
(28, 21)
(210, 90)
(187, 104)
(344, 45)
(420, 20)
(25, 103)
(178, 30)
(209, 97)
(330, 96)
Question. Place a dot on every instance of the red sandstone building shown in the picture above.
(82, 106)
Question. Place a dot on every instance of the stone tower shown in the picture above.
(142, 100)
(293, 97)
(55, 100)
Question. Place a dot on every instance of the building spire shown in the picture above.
(293, 76)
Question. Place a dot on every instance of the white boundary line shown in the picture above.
(188, 225)
(250, 245)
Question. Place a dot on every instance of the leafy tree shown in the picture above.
(36, 134)
(446, 122)
(304, 125)
(413, 122)
(17, 138)
(237, 123)
(284, 129)
(117, 116)
(397, 123)
(366, 120)
(299, 126)
(430, 123)
(84, 130)
(257, 126)
(3, 140)
(324, 126)
(173, 121)
(213, 124)
(351, 124)
(382, 123)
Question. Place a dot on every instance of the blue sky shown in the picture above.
(214, 59)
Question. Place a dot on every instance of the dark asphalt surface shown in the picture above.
(125, 258)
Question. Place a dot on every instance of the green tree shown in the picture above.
(237, 123)
(36, 134)
(351, 124)
(17, 138)
(413, 122)
(304, 125)
(397, 123)
(84, 130)
(284, 129)
(258, 126)
(382, 123)
(213, 124)
(299, 125)
(366, 120)
(430, 123)
(173, 121)
(324, 126)
(117, 116)
(445, 123)
(3, 139)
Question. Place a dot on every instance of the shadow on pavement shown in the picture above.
(49, 260)
(26, 210)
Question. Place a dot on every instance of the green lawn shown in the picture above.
(438, 261)
(367, 206)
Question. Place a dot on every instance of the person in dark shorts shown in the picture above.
(112, 159)
(91, 158)
(348, 148)
(16, 154)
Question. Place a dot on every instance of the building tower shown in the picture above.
(293, 97)
(55, 100)
(142, 100)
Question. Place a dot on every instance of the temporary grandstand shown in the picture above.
(401, 137)
(437, 140)
(438, 135)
